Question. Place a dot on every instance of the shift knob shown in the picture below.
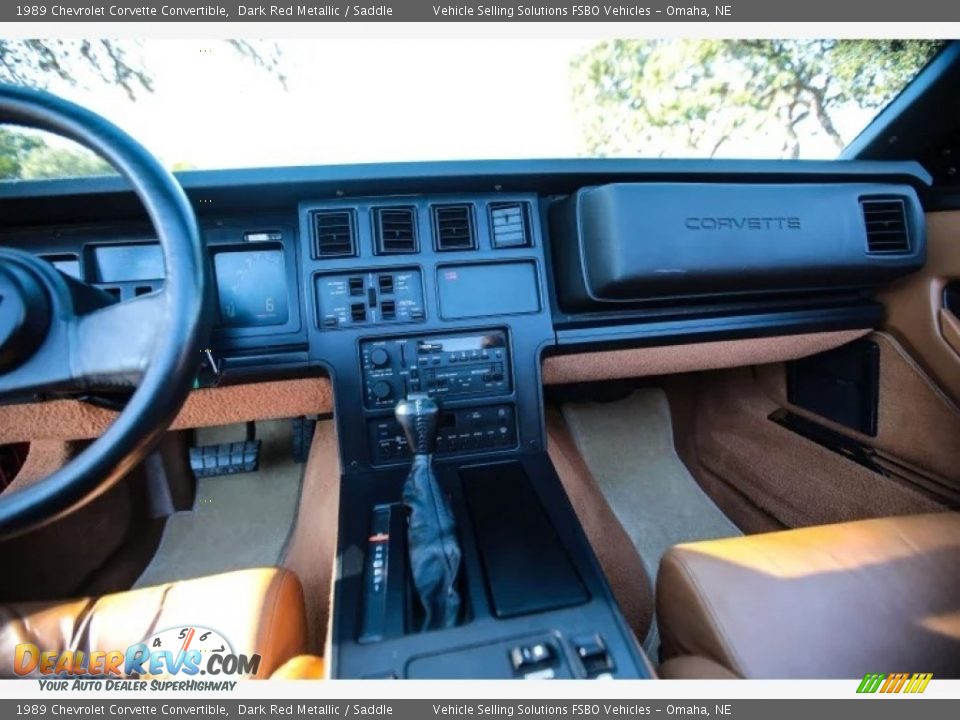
(419, 416)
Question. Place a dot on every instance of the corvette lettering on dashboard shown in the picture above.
(742, 223)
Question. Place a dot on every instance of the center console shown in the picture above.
(535, 602)
(441, 301)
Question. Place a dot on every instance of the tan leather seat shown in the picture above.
(257, 611)
(835, 601)
(301, 667)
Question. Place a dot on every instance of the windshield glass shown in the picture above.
(223, 104)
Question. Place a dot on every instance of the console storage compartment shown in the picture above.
(526, 568)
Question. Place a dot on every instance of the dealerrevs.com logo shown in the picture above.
(182, 652)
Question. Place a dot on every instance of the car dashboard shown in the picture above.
(459, 280)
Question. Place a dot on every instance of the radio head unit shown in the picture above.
(448, 367)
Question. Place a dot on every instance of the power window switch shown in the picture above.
(524, 658)
(593, 654)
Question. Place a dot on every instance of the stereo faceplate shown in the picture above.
(450, 367)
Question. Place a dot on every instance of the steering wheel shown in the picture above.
(60, 335)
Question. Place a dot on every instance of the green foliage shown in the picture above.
(656, 97)
(25, 156)
(15, 147)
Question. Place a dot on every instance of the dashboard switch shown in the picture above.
(530, 657)
(358, 297)
(592, 652)
(379, 357)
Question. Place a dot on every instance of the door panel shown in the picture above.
(918, 314)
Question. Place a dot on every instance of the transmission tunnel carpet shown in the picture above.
(628, 446)
(237, 521)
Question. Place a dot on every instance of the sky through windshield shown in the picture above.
(203, 104)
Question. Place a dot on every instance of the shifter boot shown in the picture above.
(432, 542)
(431, 532)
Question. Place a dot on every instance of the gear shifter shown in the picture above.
(431, 532)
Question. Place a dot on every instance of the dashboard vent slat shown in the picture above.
(454, 227)
(334, 233)
(886, 224)
(508, 225)
(395, 230)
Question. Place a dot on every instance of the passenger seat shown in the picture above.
(834, 601)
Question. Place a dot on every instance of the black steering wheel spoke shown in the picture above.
(111, 346)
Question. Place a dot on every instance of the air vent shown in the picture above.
(508, 225)
(886, 222)
(395, 230)
(453, 225)
(334, 233)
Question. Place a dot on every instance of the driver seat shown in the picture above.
(258, 611)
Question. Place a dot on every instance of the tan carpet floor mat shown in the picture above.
(628, 446)
(237, 521)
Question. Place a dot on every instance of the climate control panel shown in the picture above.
(449, 367)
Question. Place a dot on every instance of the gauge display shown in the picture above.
(128, 263)
(252, 287)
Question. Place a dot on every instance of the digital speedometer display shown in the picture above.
(252, 287)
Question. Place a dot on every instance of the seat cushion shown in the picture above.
(257, 611)
(693, 667)
(834, 601)
(301, 667)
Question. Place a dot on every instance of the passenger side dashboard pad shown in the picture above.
(627, 243)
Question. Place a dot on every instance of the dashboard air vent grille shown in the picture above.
(395, 230)
(508, 225)
(886, 222)
(454, 227)
(334, 233)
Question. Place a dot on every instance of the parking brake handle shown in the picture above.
(431, 531)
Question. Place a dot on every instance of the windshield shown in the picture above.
(223, 104)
